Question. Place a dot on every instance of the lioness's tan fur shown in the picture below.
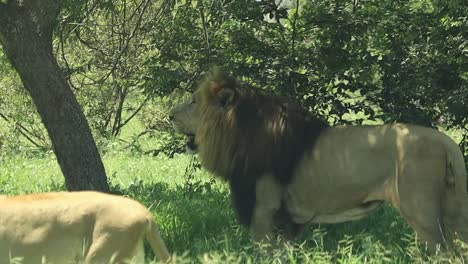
(345, 173)
(76, 227)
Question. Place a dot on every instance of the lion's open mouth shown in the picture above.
(191, 146)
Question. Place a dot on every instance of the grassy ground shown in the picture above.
(199, 227)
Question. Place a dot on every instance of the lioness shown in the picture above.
(286, 168)
(76, 227)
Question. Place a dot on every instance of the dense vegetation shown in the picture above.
(350, 62)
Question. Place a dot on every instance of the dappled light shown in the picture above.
(254, 131)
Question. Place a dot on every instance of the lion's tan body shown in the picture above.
(338, 173)
(419, 171)
(76, 227)
(352, 169)
(373, 163)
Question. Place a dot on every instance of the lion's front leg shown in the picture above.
(268, 197)
(261, 228)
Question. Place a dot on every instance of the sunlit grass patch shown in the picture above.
(199, 225)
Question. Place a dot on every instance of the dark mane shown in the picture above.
(257, 133)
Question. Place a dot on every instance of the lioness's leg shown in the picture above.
(115, 246)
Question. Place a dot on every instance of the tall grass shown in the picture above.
(198, 224)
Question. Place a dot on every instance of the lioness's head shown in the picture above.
(215, 93)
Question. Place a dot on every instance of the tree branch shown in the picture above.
(23, 131)
(144, 5)
(3, 15)
(294, 31)
(134, 113)
(205, 30)
(47, 11)
(292, 58)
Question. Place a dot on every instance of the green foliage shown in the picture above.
(103, 46)
(348, 61)
(21, 129)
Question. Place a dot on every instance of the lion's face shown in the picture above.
(185, 118)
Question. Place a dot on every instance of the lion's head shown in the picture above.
(185, 118)
(223, 110)
(242, 133)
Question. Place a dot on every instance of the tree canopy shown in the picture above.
(347, 61)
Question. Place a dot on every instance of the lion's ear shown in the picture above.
(226, 96)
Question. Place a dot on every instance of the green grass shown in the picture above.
(198, 224)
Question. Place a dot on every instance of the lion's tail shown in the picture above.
(455, 168)
(153, 236)
(455, 200)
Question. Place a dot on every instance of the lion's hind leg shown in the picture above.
(427, 221)
(421, 204)
(420, 187)
(456, 217)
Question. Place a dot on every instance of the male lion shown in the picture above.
(286, 168)
(76, 227)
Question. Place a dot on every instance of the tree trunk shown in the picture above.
(26, 36)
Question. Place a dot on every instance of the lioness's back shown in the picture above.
(83, 200)
(72, 225)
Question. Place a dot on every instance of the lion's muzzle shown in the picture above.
(191, 146)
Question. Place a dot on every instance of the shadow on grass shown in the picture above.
(202, 221)
(195, 221)
(382, 232)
